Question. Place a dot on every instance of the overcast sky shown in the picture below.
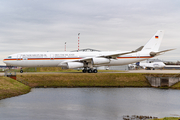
(107, 25)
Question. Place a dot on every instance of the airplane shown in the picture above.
(87, 60)
(153, 65)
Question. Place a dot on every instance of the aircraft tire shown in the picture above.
(21, 71)
(90, 71)
(95, 71)
(84, 71)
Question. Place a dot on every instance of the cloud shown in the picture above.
(45, 25)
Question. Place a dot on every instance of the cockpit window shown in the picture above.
(9, 56)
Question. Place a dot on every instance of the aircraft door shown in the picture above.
(19, 57)
(24, 57)
(137, 55)
(51, 56)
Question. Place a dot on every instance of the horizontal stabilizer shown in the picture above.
(159, 53)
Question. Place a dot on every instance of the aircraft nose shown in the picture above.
(4, 60)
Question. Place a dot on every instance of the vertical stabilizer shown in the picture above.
(154, 43)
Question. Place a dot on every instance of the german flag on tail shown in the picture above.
(156, 37)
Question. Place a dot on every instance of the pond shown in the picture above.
(90, 104)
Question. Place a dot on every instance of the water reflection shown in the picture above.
(90, 103)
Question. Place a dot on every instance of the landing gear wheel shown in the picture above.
(84, 70)
(95, 71)
(21, 71)
(90, 71)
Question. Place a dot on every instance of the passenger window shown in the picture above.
(9, 56)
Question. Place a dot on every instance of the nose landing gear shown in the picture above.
(21, 71)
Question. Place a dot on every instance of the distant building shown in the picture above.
(86, 50)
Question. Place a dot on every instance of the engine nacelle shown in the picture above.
(72, 65)
(98, 61)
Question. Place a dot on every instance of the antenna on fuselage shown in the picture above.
(65, 47)
(78, 40)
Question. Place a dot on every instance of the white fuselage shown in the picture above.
(87, 60)
(57, 59)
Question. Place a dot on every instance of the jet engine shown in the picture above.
(72, 65)
(98, 61)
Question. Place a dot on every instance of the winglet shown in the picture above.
(139, 49)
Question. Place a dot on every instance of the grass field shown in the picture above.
(10, 88)
(56, 69)
(84, 80)
(76, 79)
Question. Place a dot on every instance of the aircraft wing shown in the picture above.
(114, 56)
(88, 59)
(110, 56)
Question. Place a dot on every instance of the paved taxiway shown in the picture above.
(129, 71)
(154, 71)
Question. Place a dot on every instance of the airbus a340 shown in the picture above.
(87, 60)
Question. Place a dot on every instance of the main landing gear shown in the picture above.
(89, 70)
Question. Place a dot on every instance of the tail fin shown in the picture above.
(154, 43)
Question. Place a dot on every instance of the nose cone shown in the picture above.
(6, 61)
